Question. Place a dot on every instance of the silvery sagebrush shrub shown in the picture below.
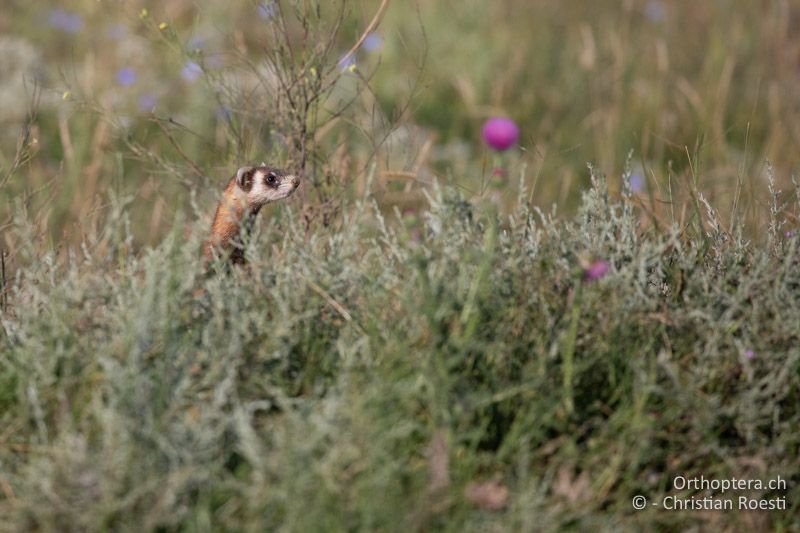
(137, 392)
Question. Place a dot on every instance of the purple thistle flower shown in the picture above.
(126, 76)
(788, 234)
(65, 21)
(500, 133)
(147, 102)
(749, 354)
(191, 71)
(596, 271)
(373, 42)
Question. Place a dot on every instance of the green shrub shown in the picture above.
(306, 391)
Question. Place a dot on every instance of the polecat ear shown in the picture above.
(241, 177)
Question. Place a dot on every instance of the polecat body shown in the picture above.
(247, 192)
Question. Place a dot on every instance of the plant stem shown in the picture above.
(569, 348)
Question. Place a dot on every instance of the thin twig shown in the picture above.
(8, 492)
(3, 290)
(369, 29)
(197, 170)
(328, 298)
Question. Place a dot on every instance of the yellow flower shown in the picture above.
(143, 14)
(352, 68)
(66, 95)
(162, 26)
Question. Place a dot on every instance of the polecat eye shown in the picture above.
(271, 179)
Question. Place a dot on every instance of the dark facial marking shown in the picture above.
(245, 180)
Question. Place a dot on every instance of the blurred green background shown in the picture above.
(138, 101)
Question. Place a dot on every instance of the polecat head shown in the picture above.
(265, 184)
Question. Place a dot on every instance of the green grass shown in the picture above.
(702, 94)
(410, 333)
(307, 392)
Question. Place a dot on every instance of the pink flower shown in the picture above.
(596, 270)
(500, 133)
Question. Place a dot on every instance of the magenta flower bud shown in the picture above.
(500, 133)
(596, 271)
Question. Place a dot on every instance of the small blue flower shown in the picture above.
(65, 21)
(147, 102)
(126, 76)
(191, 71)
(267, 10)
(654, 11)
(373, 42)
(196, 43)
(347, 63)
(224, 114)
(638, 183)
